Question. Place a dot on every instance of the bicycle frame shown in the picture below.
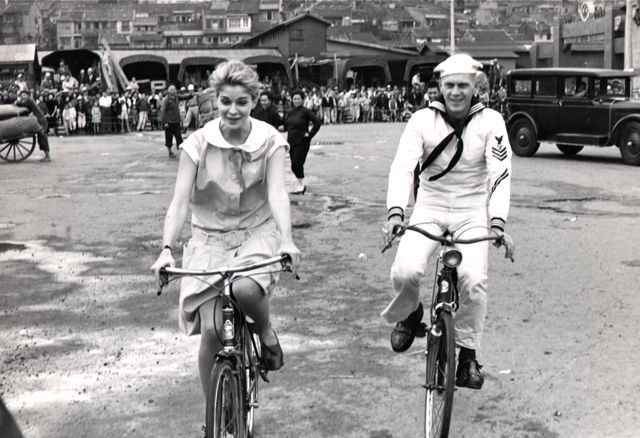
(440, 349)
(445, 295)
(240, 355)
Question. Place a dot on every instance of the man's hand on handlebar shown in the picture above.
(507, 241)
(394, 224)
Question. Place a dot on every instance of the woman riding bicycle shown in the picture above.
(464, 151)
(231, 176)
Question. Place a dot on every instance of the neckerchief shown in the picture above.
(458, 129)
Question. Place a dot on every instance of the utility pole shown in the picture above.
(628, 45)
(452, 34)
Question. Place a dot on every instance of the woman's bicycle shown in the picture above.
(233, 385)
(440, 351)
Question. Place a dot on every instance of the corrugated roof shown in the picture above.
(17, 7)
(175, 56)
(484, 36)
(244, 6)
(17, 53)
(377, 46)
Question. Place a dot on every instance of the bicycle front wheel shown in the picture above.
(440, 377)
(225, 410)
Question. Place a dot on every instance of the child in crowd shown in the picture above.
(96, 118)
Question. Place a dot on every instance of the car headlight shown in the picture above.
(452, 258)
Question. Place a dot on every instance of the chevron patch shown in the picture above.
(498, 151)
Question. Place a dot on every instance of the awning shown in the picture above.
(427, 60)
(203, 61)
(270, 59)
(18, 54)
(176, 56)
(142, 57)
(367, 61)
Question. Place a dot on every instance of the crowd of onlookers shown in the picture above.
(80, 105)
(380, 104)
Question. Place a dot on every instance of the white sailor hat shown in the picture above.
(459, 63)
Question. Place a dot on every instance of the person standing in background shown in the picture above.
(299, 136)
(170, 119)
(142, 104)
(266, 111)
(25, 101)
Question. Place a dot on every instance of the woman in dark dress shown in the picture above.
(301, 125)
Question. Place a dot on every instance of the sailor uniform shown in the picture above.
(464, 183)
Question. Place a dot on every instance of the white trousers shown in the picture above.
(410, 265)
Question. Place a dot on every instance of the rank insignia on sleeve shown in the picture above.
(498, 150)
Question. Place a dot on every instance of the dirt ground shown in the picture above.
(87, 348)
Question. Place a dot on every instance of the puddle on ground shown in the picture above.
(11, 246)
(54, 196)
(587, 206)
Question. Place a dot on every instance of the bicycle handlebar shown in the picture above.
(446, 239)
(226, 271)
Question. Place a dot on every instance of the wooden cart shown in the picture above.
(17, 133)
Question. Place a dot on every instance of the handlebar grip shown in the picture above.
(287, 265)
(164, 279)
(286, 258)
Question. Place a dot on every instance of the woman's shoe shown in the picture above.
(272, 356)
(299, 192)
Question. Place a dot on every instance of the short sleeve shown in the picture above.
(277, 141)
(194, 145)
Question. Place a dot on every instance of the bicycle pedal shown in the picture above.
(421, 330)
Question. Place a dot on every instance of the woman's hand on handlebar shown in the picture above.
(507, 241)
(164, 259)
(290, 249)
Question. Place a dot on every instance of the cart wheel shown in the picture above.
(18, 149)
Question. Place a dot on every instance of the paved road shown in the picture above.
(88, 350)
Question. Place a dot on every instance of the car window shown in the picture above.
(616, 87)
(521, 87)
(545, 86)
(575, 86)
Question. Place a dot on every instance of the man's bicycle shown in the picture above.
(440, 351)
(233, 385)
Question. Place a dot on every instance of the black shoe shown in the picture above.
(172, 155)
(469, 374)
(405, 331)
(272, 356)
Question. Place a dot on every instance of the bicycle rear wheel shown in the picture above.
(225, 410)
(440, 378)
(252, 373)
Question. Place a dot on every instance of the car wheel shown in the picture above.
(569, 150)
(629, 143)
(523, 139)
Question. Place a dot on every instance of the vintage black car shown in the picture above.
(573, 107)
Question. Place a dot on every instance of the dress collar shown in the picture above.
(255, 139)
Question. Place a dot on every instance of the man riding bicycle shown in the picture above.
(465, 183)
